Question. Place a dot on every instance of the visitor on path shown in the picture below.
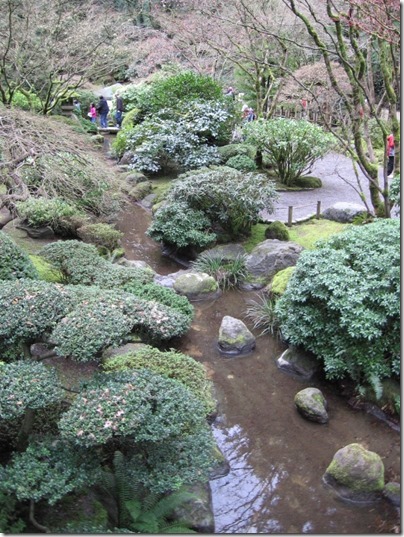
(230, 92)
(251, 115)
(390, 155)
(119, 110)
(92, 114)
(103, 110)
(77, 106)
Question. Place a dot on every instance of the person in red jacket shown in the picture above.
(390, 155)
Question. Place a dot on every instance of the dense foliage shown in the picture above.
(27, 384)
(290, 146)
(229, 199)
(14, 262)
(38, 212)
(171, 364)
(343, 303)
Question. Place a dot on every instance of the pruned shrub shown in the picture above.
(14, 262)
(343, 303)
(171, 364)
(180, 225)
(307, 181)
(164, 295)
(242, 163)
(226, 200)
(234, 150)
(29, 309)
(277, 230)
(80, 263)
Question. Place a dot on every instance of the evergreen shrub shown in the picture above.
(343, 303)
(277, 230)
(14, 262)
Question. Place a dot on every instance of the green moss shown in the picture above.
(45, 270)
(310, 232)
(257, 236)
(280, 281)
(358, 454)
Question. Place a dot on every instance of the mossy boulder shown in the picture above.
(234, 337)
(356, 474)
(196, 286)
(312, 405)
(97, 139)
(140, 191)
(277, 230)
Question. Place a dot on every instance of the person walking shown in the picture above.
(119, 110)
(92, 114)
(103, 110)
(390, 155)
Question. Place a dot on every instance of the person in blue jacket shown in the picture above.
(103, 110)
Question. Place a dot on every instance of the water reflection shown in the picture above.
(240, 498)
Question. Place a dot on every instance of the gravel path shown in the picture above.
(336, 173)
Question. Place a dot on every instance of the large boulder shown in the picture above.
(312, 405)
(268, 258)
(356, 474)
(298, 362)
(234, 337)
(197, 512)
(343, 212)
(196, 286)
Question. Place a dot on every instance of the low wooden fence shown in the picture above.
(290, 209)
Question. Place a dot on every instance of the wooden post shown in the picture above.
(318, 210)
(290, 215)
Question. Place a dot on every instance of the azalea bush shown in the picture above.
(342, 302)
(290, 146)
(170, 364)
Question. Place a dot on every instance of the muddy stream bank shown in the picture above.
(277, 458)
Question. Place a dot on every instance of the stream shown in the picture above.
(276, 457)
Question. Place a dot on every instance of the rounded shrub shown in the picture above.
(277, 230)
(343, 303)
(14, 262)
(171, 364)
(233, 150)
(307, 181)
(242, 163)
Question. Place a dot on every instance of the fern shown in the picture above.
(151, 513)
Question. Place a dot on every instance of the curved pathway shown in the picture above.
(337, 174)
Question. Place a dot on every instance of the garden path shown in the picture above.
(338, 178)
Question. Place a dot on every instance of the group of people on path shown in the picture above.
(101, 110)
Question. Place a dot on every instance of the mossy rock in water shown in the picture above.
(307, 181)
(277, 230)
(356, 474)
(312, 405)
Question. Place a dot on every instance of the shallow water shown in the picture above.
(277, 458)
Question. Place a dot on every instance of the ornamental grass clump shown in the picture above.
(227, 272)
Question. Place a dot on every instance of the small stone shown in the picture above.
(312, 405)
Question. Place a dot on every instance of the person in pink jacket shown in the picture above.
(92, 113)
